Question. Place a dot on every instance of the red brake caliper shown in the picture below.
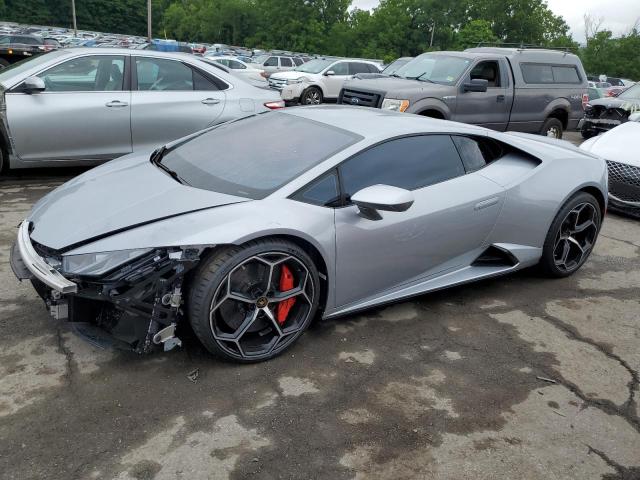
(286, 283)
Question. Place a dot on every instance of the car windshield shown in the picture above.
(631, 93)
(314, 66)
(282, 147)
(262, 58)
(23, 65)
(435, 68)
(393, 67)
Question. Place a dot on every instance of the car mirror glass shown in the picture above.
(386, 198)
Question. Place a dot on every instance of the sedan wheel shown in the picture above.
(572, 236)
(250, 304)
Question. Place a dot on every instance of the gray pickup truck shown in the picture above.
(524, 90)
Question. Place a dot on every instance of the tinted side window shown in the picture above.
(489, 71)
(477, 152)
(372, 68)
(538, 73)
(97, 73)
(297, 61)
(411, 163)
(357, 67)
(565, 75)
(323, 192)
(341, 68)
(286, 62)
(201, 82)
(271, 62)
(157, 74)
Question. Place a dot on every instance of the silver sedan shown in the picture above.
(82, 106)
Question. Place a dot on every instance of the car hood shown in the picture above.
(117, 196)
(612, 102)
(398, 87)
(292, 74)
(620, 144)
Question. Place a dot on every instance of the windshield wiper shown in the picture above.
(156, 159)
(420, 79)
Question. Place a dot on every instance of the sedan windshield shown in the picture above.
(255, 156)
(435, 68)
(633, 93)
(314, 66)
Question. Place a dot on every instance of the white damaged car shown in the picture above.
(619, 147)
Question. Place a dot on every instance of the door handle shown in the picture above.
(116, 103)
(210, 101)
(500, 98)
(487, 203)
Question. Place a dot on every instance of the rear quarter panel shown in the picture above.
(534, 198)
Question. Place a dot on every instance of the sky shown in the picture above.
(619, 15)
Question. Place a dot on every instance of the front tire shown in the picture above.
(250, 303)
(311, 96)
(572, 236)
(552, 128)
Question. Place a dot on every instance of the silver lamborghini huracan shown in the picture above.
(251, 229)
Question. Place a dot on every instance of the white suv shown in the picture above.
(319, 79)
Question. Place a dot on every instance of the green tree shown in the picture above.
(475, 32)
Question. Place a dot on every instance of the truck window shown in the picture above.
(542, 73)
(489, 71)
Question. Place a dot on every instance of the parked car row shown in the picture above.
(89, 105)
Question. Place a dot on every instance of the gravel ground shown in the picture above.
(517, 377)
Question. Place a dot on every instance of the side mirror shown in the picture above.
(33, 85)
(476, 85)
(329, 73)
(381, 197)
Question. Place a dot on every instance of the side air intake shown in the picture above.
(495, 257)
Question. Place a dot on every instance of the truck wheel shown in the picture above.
(552, 128)
(3, 166)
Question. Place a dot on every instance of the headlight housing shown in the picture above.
(395, 105)
(95, 264)
(293, 81)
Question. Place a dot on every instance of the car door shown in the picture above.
(489, 109)
(171, 99)
(333, 82)
(83, 113)
(452, 214)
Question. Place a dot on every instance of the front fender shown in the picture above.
(430, 103)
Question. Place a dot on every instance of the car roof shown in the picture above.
(372, 122)
(128, 51)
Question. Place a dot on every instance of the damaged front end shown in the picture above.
(129, 300)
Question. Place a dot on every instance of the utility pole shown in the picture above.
(73, 14)
(149, 20)
(433, 29)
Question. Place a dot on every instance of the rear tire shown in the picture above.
(572, 236)
(552, 128)
(235, 304)
(4, 164)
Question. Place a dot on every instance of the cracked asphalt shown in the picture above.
(516, 377)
